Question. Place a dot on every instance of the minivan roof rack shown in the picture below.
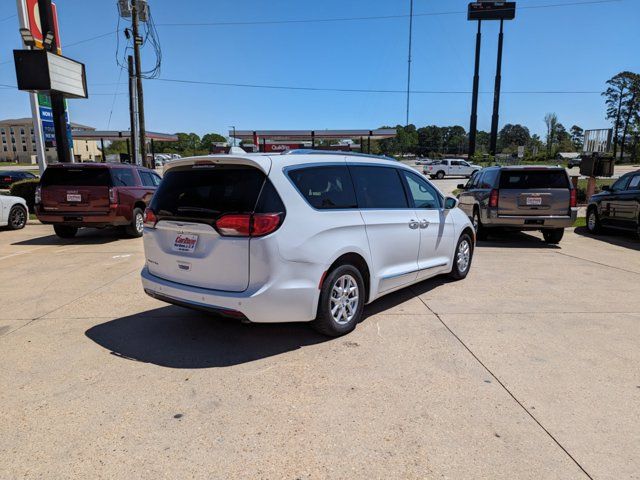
(304, 151)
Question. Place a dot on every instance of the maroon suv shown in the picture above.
(97, 195)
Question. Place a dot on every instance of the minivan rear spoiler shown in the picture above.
(262, 162)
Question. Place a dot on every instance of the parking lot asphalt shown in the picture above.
(527, 369)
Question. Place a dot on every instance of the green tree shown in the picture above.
(512, 136)
(209, 139)
(577, 137)
(620, 101)
(551, 121)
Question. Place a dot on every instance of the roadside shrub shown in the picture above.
(27, 190)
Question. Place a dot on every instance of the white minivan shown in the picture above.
(301, 236)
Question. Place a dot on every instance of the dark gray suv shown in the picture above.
(520, 198)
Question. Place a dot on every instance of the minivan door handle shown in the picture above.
(413, 224)
(424, 223)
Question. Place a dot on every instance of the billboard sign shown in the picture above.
(491, 11)
(42, 71)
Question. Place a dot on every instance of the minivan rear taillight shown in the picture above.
(574, 198)
(493, 198)
(248, 225)
(113, 196)
(150, 218)
(38, 195)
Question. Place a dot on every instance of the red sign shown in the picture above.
(280, 147)
(33, 11)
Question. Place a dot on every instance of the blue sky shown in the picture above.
(569, 48)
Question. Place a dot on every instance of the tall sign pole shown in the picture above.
(409, 59)
(41, 154)
(488, 10)
(58, 107)
(473, 124)
(496, 96)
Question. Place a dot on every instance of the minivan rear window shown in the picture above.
(84, 177)
(525, 179)
(207, 193)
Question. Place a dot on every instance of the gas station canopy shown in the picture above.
(376, 134)
(124, 135)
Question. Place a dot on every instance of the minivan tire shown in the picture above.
(325, 321)
(137, 226)
(65, 231)
(17, 217)
(553, 236)
(462, 257)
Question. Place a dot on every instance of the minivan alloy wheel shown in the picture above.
(344, 299)
(463, 255)
(592, 221)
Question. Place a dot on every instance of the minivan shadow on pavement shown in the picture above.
(614, 237)
(84, 236)
(508, 239)
(175, 337)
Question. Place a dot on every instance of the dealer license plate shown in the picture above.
(74, 197)
(534, 200)
(185, 243)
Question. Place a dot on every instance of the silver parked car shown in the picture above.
(520, 198)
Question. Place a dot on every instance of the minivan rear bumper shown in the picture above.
(273, 303)
(532, 222)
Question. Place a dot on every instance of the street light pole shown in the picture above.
(234, 134)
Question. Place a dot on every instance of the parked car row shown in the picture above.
(307, 236)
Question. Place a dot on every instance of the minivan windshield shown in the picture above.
(84, 177)
(207, 193)
(524, 179)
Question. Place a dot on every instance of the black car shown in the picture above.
(618, 206)
(7, 177)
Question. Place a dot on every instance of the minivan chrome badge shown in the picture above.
(184, 266)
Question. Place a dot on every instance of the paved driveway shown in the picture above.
(528, 369)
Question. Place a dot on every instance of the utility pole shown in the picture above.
(137, 41)
(409, 59)
(132, 111)
(57, 99)
(496, 96)
(473, 124)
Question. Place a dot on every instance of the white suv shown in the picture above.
(302, 236)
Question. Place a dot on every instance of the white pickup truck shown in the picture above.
(453, 167)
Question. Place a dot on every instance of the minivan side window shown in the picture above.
(423, 194)
(378, 187)
(325, 188)
(123, 177)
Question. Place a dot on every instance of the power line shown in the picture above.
(363, 90)
(8, 18)
(368, 18)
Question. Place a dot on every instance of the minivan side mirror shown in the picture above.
(462, 186)
(450, 203)
(606, 188)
